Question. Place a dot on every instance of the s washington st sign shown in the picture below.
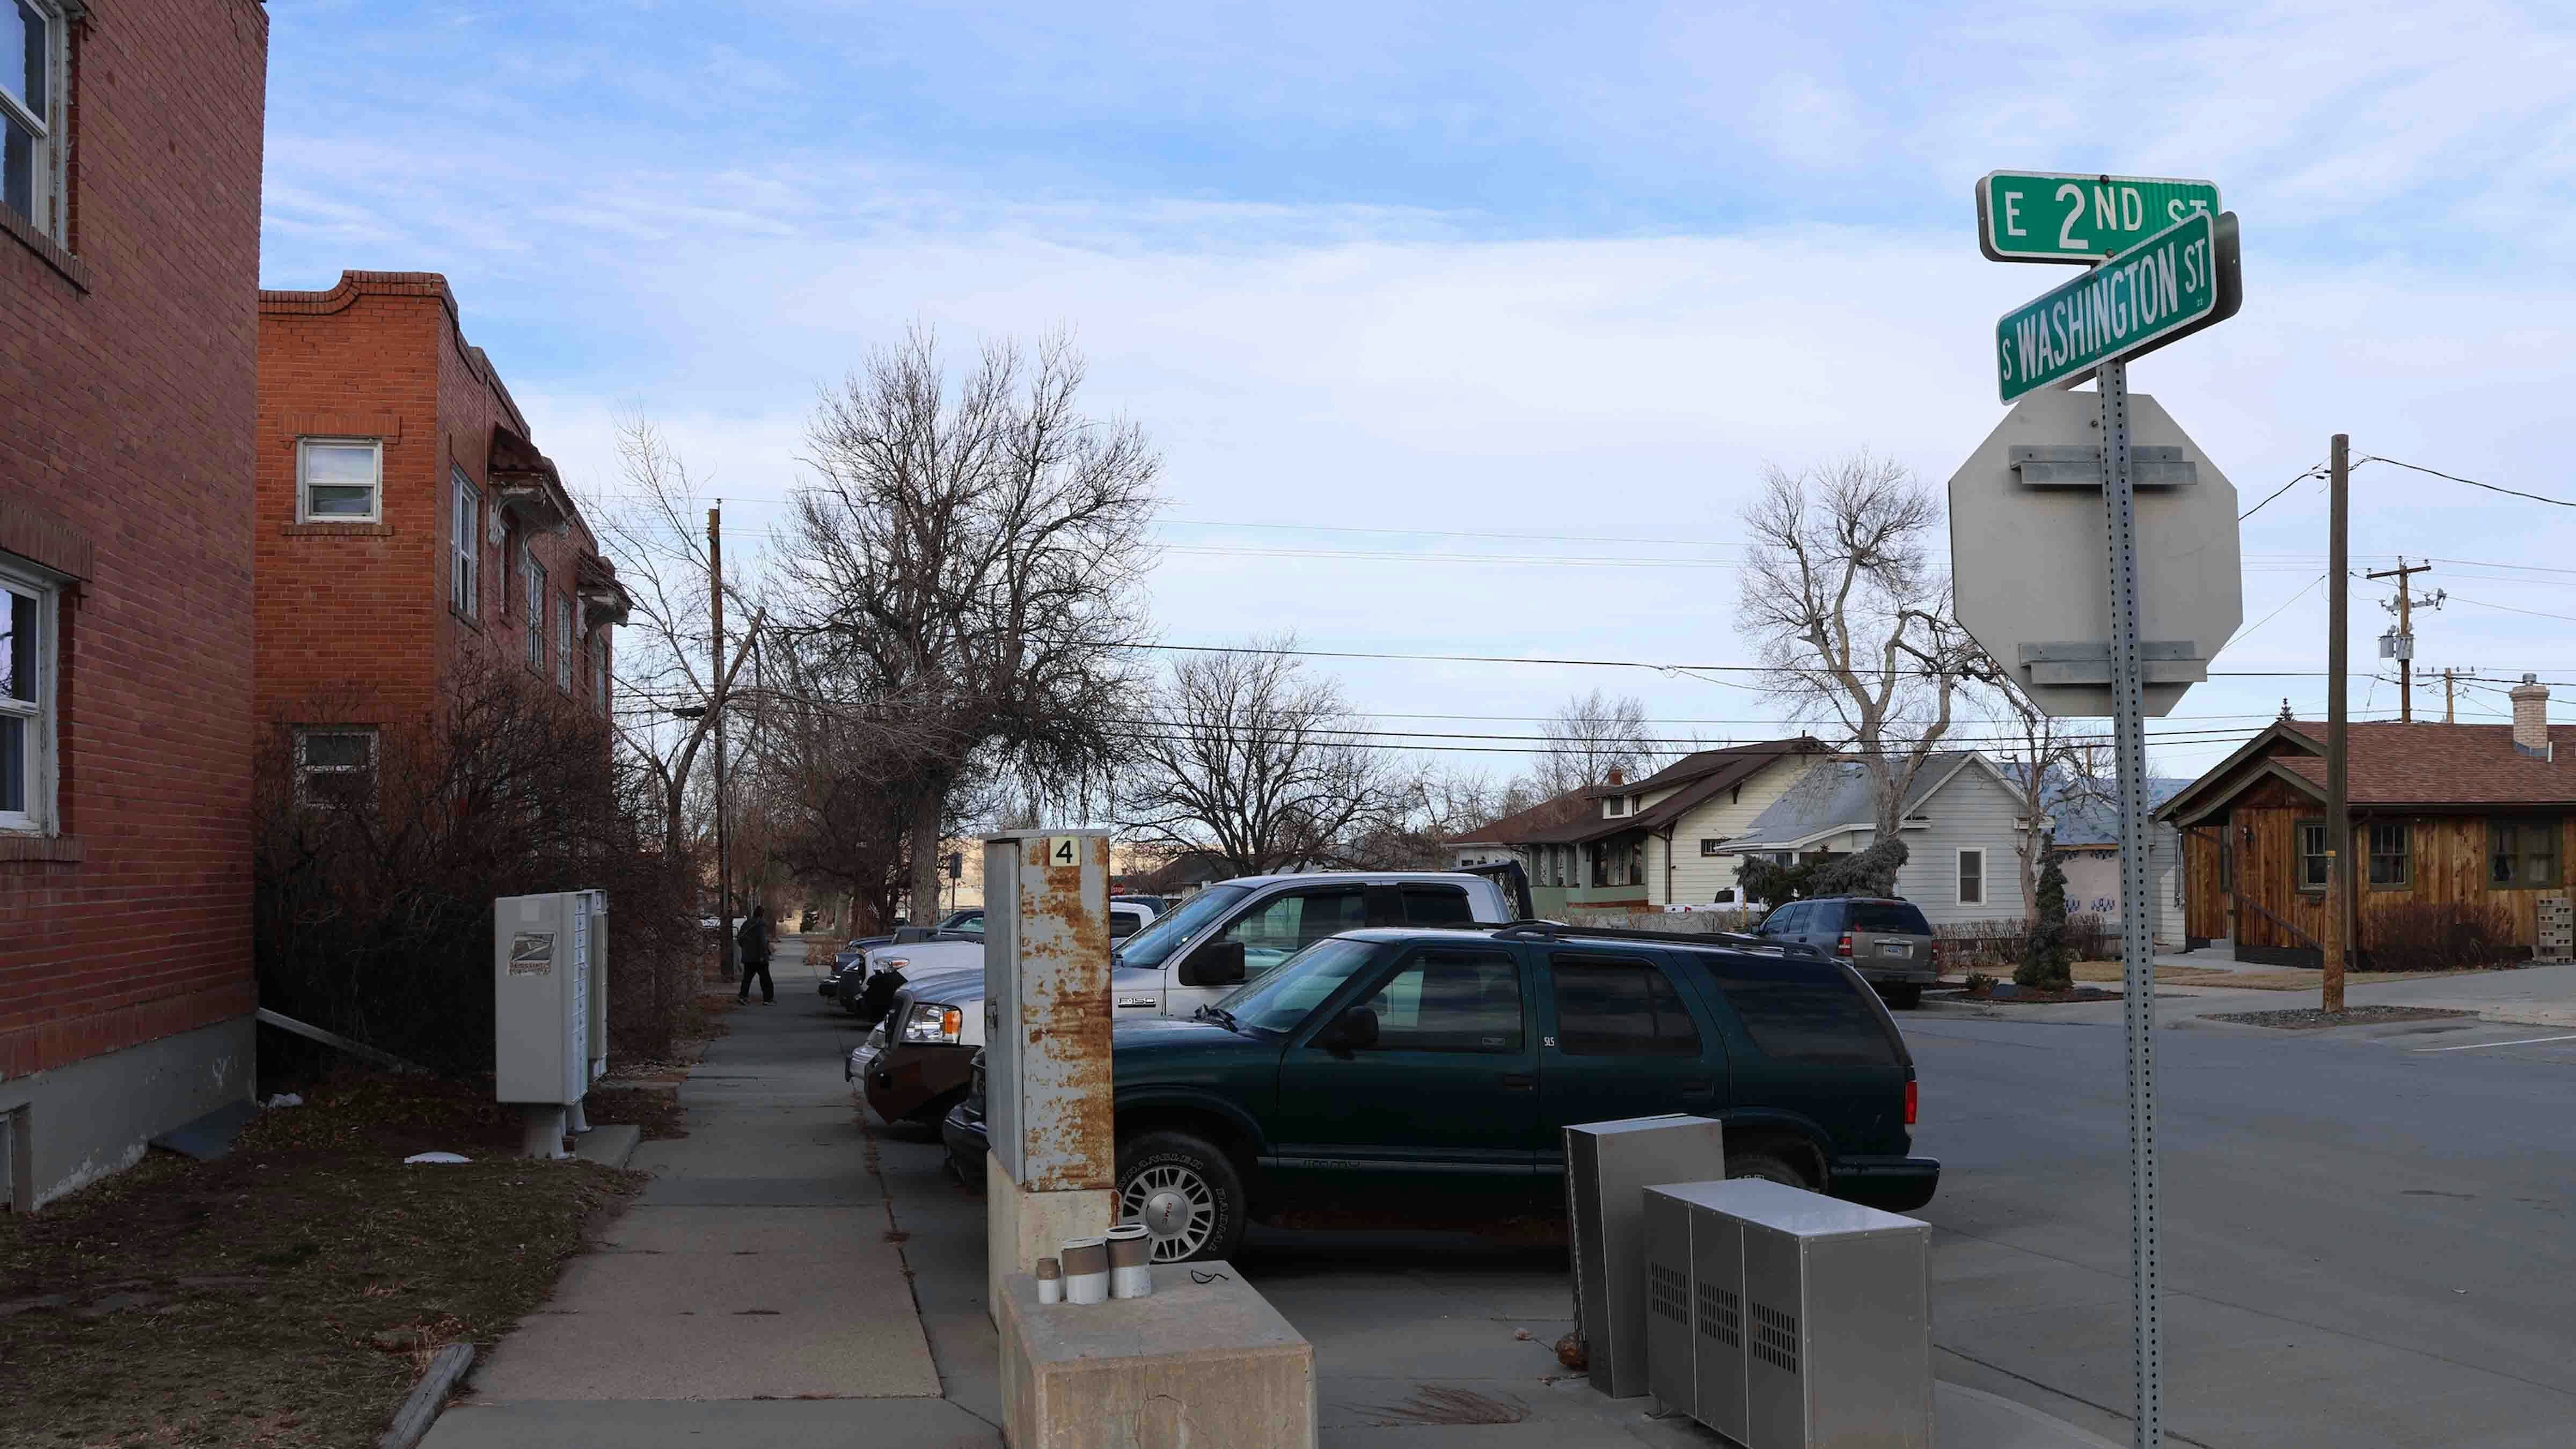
(2174, 283)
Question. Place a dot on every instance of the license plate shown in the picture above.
(1895, 948)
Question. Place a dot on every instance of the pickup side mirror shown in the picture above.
(1354, 1030)
(1218, 963)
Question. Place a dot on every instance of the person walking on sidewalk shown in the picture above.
(754, 942)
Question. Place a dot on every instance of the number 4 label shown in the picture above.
(1061, 854)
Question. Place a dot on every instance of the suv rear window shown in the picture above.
(1815, 1014)
(1899, 917)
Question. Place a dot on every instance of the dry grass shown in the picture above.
(289, 1294)
(2285, 979)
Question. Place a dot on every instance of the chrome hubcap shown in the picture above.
(1177, 1207)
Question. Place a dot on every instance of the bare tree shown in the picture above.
(982, 547)
(1589, 736)
(1252, 760)
(2050, 768)
(1840, 597)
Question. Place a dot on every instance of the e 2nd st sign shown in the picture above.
(2176, 282)
(2047, 216)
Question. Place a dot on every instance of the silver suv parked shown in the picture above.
(1887, 941)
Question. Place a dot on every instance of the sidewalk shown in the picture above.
(753, 1296)
(789, 1281)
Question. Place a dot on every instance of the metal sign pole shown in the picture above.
(2137, 942)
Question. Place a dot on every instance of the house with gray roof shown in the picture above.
(1961, 821)
(1644, 843)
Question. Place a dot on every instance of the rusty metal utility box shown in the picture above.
(1046, 1009)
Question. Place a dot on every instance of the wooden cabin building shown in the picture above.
(2477, 814)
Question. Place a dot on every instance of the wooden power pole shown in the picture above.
(2338, 818)
(715, 648)
(2406, 633)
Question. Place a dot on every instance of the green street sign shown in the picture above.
(2046, 216)
(2176, 282)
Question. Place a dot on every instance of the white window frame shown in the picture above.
(532, 606)
(303, 487)
(45, 191)
(304, 773)
(599, 667)
(41, 815)
(563, 643)
(465, 547)
(1960, 880)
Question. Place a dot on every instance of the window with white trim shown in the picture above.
(1972, 877)
(599, 667)
(465, 547)
(338, 480)
(335, 767)
(34, 46)
(532, 609)
(563, 643)
(29, 604)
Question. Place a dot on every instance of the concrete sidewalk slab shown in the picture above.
(731, 1424)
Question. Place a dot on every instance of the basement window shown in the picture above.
(335, 769)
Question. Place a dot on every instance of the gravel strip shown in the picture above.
(2309, 1018)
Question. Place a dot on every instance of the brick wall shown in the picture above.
(125, 455)
(355, 620)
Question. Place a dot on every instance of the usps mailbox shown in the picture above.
(543, 953)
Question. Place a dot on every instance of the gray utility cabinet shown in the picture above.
(1608, 1166)
(1784, 1319)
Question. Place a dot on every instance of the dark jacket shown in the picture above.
(754, 939)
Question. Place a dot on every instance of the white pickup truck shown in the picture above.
(916, 1062)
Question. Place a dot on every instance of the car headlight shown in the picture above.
(893, 963)
(931, 1022)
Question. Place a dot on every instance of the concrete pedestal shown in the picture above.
(541, 1130)
(1194, 1364)
(1022, 1227)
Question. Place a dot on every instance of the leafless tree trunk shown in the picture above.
(1589, 736)
(2049, 768)
(1253, 761)
(982, 547)
(1839, 596)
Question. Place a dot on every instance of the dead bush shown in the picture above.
(2437, 936)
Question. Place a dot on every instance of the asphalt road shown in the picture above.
(2366, 1237)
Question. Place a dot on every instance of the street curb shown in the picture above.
(413, 1420)
(611, 1144)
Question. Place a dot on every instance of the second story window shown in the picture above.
(32, 39)
(465, 548)
(563, 644)
(533, 610)
(339, 480)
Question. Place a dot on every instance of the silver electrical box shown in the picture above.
(542, 957)
(595, 905)
(1608, 1167)
(1832, 1345)
(1046, 1009)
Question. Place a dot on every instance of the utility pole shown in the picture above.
(2406, 632)
(2338, 825)
(716, 645)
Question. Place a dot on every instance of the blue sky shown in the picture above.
(1572, 272)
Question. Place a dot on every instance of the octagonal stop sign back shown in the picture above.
(2029, 560)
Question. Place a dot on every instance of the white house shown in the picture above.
(1960, 823)
(1650, 842)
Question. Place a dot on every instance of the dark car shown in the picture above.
(1431, 1074)
(1886, 940)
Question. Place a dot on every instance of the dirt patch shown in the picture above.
(657, 1113)
(290, 1294)
(2308, 1018)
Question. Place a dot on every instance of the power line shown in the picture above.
(2472, 482)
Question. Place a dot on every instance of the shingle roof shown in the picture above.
(2389, 763)
(2084, 820)
(1575, 817)
(1835, 795)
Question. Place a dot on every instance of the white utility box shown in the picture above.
(1608, 1167)
(543, 950)
(1784, 1319)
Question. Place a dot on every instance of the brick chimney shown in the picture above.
(1620, 777)
(2531, 717)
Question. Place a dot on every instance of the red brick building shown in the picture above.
(406, 521)
(129, 269)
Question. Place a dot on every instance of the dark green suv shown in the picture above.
(1429, 1073)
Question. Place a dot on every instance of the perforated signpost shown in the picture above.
(2164, 264)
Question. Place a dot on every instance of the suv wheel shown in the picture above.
(1902, 998)
(1771, 1166)
(1186, 1193)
